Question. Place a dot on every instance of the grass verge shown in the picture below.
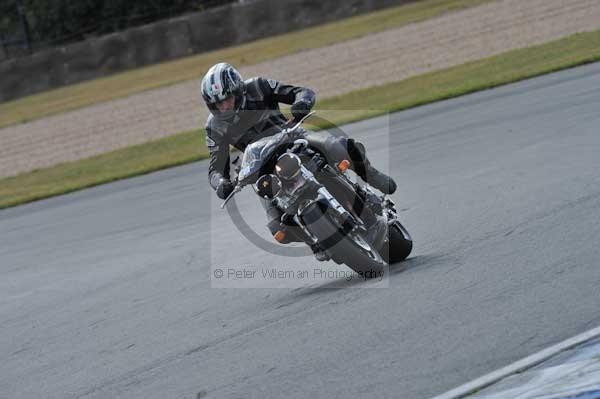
(131, 161)
(186, 147)
(138, 80)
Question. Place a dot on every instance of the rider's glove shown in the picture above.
(224, 188)
(299, 110)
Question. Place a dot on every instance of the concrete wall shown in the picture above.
(170, 39)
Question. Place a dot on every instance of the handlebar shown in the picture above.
(301, 121)
(236, 190)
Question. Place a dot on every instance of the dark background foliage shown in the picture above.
(53, 22)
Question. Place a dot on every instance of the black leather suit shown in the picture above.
(259, 117)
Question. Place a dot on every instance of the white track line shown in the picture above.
(523, 364)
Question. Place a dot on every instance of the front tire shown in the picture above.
(349, 248)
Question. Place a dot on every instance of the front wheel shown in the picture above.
(349, 248)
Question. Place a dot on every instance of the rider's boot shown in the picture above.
(366, 171)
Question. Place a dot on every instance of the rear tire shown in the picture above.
(399, 245)
(351, 248)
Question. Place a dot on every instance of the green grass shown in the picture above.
(138, 80)
(186, 147)
(131, 161)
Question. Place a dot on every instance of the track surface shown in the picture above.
(106, 293)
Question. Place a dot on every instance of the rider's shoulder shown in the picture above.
(210, 121)
(215, 127)
(254, 81)
(253, 85)
(260, 85)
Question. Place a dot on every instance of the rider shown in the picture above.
(245, 111)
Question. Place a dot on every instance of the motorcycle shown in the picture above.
(348, 222)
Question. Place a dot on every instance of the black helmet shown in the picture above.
(221, 81)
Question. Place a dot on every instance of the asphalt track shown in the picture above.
(106, 293)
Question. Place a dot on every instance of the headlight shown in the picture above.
(268, 186)
(288, 166)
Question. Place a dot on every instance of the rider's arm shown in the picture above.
(302, 99)
(218, 168)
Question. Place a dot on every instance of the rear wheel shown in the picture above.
(348, 247)
(399, 244)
